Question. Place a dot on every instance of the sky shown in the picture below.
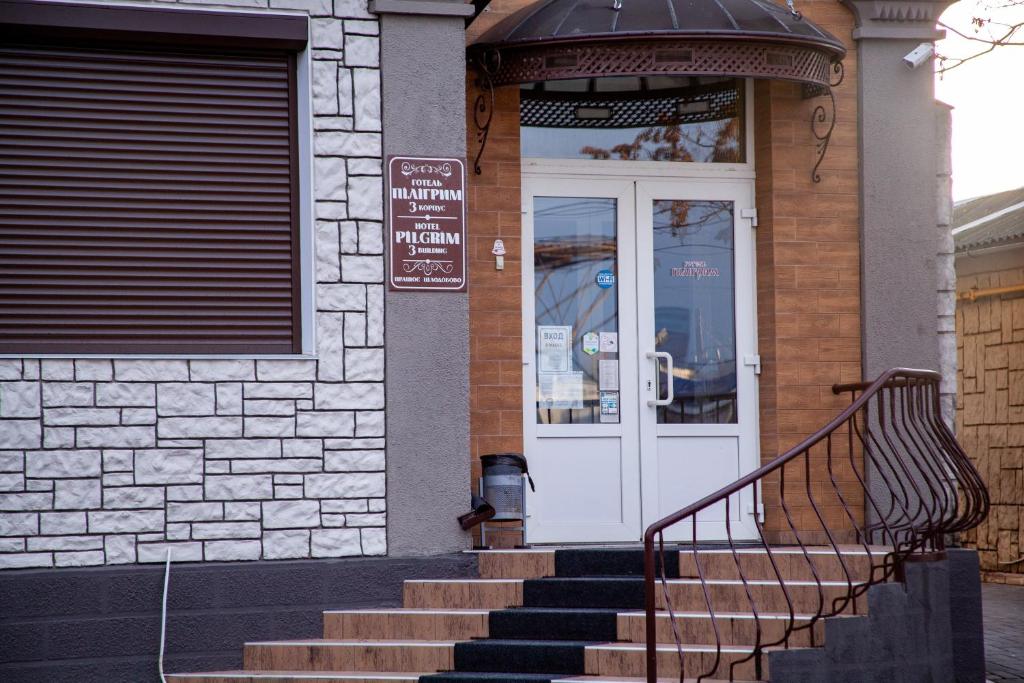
(987, 94)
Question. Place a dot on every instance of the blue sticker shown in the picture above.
(605, 279)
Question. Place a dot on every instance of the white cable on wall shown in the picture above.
(163, 616)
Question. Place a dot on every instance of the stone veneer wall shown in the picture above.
(990, 392)
(115, 461)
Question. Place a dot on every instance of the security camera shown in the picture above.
(919, 55)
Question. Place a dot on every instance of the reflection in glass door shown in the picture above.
(694, 310)
(576, 309)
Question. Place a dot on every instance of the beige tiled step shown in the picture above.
(525, 563)
(455, 625)
(463, 593)
(293, 677)
(364, 677)
(733, 628)
(606, 659)
(687, 595)
(406, 624)
(768, 596)
(349, 655)
(629, 659)
(792, 564)
(533, 563)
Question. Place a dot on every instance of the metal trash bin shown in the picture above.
(502, 486)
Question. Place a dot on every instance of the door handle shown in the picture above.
(669, 393)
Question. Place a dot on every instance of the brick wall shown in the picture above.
(495, 296)
(495, 299)
(808, 261)
(990, 408)
(114, 461)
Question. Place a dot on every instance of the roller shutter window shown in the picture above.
(148, 201)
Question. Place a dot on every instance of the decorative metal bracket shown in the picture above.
(820, 116)
(486, 64)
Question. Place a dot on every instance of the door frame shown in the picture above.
(628, 173)
(747, 429)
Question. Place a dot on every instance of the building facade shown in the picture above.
(216, 346)
(113, 460)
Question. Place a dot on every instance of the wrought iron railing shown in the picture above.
(887, 471)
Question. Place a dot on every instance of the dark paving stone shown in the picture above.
(1003, 608)
(521, 656)
(576, 562)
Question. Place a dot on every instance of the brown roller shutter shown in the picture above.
(148, 202)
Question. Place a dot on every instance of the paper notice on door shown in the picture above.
(554, 348)
(609, 406)
(609, 342)
(560, 390)
(608, 375)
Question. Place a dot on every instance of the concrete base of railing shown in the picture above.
(926, 629)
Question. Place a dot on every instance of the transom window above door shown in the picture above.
(635, 118)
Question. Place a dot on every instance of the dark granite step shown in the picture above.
(546, 623)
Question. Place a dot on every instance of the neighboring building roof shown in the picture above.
(989, 221)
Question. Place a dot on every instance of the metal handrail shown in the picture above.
(923, 487)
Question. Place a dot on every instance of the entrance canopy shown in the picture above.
(569, 39)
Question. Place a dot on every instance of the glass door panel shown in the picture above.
(576, 308)
(694, 310)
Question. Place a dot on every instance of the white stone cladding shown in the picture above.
(945, 262)
(115, 461)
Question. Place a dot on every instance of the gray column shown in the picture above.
(900, 237)
(423, 71)
(900, 233)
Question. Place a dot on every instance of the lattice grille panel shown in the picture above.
(681, 58)
(547, 110)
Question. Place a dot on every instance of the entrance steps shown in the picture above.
(575, 614)
(615, 592)
(735, 628)
(362, 677)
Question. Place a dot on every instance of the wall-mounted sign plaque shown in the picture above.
(427, 223)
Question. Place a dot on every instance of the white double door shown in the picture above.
(640, 361)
